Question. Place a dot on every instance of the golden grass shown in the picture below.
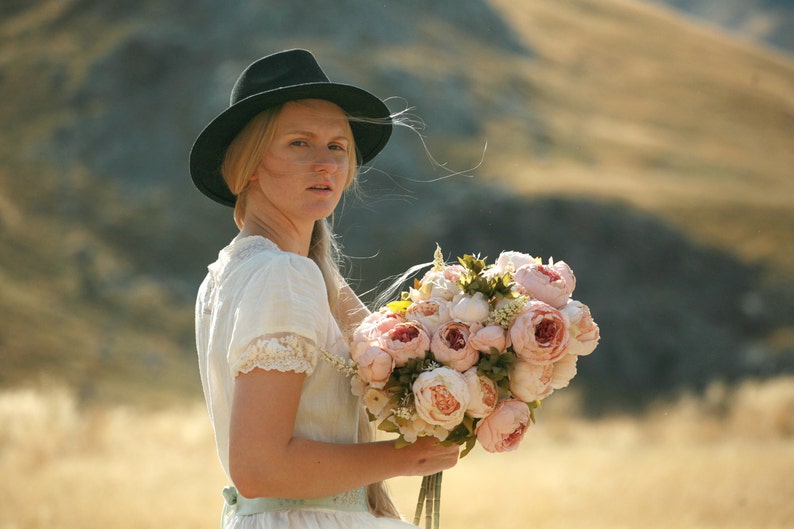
(724, 460)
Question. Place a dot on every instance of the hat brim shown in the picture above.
(210, 147)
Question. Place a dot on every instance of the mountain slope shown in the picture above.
(769, 21)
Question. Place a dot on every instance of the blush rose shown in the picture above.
(431, 313)
(451, 347)
(375, 325)
(503, 430)
(539, 334)
(441, 397)
(543, 283)
(484, 394)
(530, 382)
(405, 341)
(375, 366)
(491, 336)
(584, 331)
(563, 371)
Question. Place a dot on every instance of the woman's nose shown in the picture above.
(326, 159)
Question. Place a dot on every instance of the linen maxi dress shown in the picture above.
(259, 307)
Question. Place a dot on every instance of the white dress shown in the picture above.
(260, 307)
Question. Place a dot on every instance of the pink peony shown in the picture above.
(375, 325)
(563, 371)
(530, 382)
(503, 430)
(441, 397)
(492, 336)
(539, 334)
(542, 282)
(484, 394)
(584, 331)
(453, 272)
(404, 341)
(375, 366)
(565, 271)
(451, 347)
(431, 313)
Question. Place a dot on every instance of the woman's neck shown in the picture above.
(287, 238)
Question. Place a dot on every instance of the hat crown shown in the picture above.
(287, 68)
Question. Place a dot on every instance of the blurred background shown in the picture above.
(648, 144)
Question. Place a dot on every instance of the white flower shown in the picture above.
(377, 402)
(434, 285)
(510, 261)
(469, 308)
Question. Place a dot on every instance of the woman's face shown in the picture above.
(304, 171)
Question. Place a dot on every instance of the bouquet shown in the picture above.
(468, 353)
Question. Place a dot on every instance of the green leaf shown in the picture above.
(388, 426)
(470, 443)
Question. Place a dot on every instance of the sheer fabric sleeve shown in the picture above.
(280, 317)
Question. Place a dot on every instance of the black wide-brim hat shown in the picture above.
(273, 80)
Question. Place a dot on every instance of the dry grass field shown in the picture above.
(721, 461)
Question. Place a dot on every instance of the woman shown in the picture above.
(290, 435)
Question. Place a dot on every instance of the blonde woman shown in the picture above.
(289, 432)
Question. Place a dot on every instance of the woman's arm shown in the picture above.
(266, 460)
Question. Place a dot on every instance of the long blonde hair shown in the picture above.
(241, 160)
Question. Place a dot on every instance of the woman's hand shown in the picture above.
(426, 456)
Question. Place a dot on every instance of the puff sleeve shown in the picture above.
(279, 317)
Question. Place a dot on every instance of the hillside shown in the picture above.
(651, 153)
(768, 21)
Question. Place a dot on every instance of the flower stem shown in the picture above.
(421, 501)
(437, 495)
(429, 501)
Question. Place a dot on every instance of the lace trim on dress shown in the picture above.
(287, 352)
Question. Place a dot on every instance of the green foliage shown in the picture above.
(463, 434)
(402, 379)
(533, 405)
(497, 367)
(474, 280)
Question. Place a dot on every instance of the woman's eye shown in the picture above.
(298, 143)
(337, 147)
